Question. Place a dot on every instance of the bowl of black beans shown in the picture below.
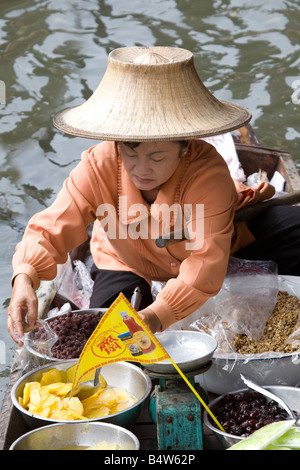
(66, 337)
(244, 411)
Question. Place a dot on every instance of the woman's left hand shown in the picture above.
(151, 319)
(23, 308)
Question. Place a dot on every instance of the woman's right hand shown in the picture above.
(151, 319)
(23, 308)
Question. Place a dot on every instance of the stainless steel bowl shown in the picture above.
(39, 358)
(61, 436)
(190, 350)
(291, 395)
(119, 374)
(224, 374)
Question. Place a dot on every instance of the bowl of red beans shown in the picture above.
(63, 336)
(244, 411)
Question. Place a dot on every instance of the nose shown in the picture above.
(143, 166)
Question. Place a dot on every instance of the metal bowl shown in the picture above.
(190, 350)
(291, 396)
(70, 435)
(39, 358)
(119, 374)
(224, 374)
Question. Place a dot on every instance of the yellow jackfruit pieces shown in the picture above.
(49, 398)
(64, 415)
(59, 389)
(98, 412)
(53, 376)
(74, 406)
(29, 387)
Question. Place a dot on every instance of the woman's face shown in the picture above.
(150, 164)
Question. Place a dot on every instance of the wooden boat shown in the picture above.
(252, 157)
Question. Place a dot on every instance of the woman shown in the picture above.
(151, 175)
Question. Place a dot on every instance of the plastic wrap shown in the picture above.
(255, 179)
(40, 340)
(294, 338)
(267, 368)
(75, 284)
(56, 311)
(243, 305)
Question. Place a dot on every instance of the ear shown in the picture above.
(185, 148)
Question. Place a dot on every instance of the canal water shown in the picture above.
(53, 55)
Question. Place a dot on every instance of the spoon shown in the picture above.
(268, 394)
(96, 376)
(90, 387)
(136, 298)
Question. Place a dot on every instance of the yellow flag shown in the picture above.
(121, 335)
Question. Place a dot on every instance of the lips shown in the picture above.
(143, 180)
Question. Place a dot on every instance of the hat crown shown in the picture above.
(157, 55)
(151, 58)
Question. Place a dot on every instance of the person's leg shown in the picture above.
(277, 233)
(108, 285)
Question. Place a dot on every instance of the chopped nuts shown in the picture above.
(282, 323)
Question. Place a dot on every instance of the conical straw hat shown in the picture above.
(151, 94)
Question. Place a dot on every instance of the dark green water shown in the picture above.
(53, 55)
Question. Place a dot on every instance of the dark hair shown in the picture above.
(133, 145)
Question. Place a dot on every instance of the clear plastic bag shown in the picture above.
(243, 305)
(41, 339)
(294, 338)
(75, 284)
(266, 368)
(36, 350)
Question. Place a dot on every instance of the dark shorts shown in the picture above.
(277, 233)
(108, 285)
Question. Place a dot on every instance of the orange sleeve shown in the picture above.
(247, 196)
(53, 232)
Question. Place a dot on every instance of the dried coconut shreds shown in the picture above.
(282, 323)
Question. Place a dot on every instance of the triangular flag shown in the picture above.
(121, 335)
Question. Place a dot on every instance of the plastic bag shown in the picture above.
(224, 144)
(41, 339)
(156, 287)
(75, 284)
(243, 305)
(294, 338)
(37, 348)
(56, 311)
(255, 179)
(266, 368)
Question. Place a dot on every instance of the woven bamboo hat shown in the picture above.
(151, 94)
